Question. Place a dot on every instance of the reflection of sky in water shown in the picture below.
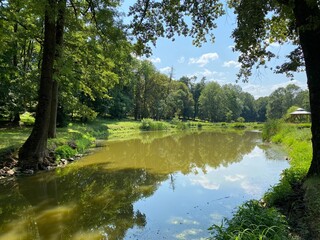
(169, 187)
(184, 206)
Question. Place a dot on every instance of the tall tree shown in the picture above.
(60, 22)
(33, 153)
(97, 18)
(211, 103)
(283, 20)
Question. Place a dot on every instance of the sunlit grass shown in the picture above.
(12, 138)
(252, 221)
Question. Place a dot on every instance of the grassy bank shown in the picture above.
(290, 209)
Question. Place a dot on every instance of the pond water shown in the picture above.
(153, 187)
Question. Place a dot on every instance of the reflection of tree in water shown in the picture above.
(274, 153)
(96, 196)
(183, 152)
(81, 201)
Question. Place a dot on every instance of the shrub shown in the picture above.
(82, 144)
(252, 221)
(149, 124)
(270, 128)
(27, 119)
(240, 119)
(239, 125)
(64, 151)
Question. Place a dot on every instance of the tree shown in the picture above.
(249, 111)
(211, 102)
(279, 21)
(19, 57)
(282, 99)
(233, 102)
(33, 153)
(276, 105)
(261, 108)
(196, 90)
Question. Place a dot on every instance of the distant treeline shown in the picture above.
(144, 92)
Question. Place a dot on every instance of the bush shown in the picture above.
(82, 144)
(27, 119)
(180, 124)
(149, 124)
(239, 125)
(270, 128)
(252, 221)
(240, 119)
(64, 151)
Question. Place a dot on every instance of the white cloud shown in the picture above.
(231, 64)
(204, 59)
(261, 90)
(154, 60)
(181, 60)
(284, 84)
(165, 70)
(256, 90)
(208, 74)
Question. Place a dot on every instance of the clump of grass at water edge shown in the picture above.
(252, 221)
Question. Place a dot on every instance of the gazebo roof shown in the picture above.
(300, 111)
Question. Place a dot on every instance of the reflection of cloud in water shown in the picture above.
(234, 178)
(206, 179)
(184, 234)
(251, 188)
(216, 217)
(256, 152)
(180, 220)
(205, 182)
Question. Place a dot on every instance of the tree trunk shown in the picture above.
(59, 46)
(307, 15)
(33, 153)
(52, 132)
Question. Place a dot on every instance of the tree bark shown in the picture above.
(52, 132)
(33, 153)
(307, 19)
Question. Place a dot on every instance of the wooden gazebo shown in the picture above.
(300, 115)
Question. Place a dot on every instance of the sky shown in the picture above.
(217, 62)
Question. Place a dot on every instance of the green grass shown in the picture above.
(297, 143)
(252, 221)
(297, 196)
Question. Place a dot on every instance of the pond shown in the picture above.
(153, 187)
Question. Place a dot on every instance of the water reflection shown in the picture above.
(137, 189)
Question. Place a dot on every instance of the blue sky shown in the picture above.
(217, 62)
